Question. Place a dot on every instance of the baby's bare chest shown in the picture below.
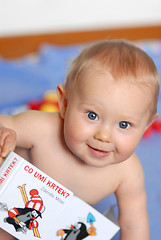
(88, 183)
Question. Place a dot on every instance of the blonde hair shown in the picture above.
(122, 59)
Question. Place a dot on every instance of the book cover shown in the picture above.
(35, 206)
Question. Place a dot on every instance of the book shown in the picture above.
(35, 206)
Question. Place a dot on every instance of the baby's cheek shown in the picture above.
(70, 138)
(124, 151)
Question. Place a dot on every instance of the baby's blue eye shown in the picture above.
(92, 115)
(124, 125)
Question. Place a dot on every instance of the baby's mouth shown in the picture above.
(98, 153)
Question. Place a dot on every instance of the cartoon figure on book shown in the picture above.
(79, 231)
(107, 102)
(24, 219)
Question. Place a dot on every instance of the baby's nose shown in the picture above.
(103, 135)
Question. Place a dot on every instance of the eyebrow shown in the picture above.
(130, 118)
(90, 105)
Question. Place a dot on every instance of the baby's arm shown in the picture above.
(19, 130)
(5, 236)
(131, 196)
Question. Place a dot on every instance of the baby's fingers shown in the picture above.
(1, 160)
(7, 147)
(7, 142)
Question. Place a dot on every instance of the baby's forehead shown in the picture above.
(98, 73)
(95, 81)
(98, 78)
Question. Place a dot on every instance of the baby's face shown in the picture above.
(105, 119)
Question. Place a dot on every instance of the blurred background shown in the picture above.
(20, 17)
(39, 37)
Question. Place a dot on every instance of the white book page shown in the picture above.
(79, 216)
(53, 199)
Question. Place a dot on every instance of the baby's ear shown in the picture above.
(62, 100)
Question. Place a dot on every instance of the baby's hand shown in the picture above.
(7, 141)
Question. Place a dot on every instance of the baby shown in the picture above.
(107, 102)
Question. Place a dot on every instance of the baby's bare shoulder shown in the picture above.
(34, 125)
(131, 175)
(38, 119)
(37, 116)
(131, 165)
(47, 123)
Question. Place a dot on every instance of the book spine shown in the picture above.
(8, 169)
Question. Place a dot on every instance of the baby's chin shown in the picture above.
(96, 163)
